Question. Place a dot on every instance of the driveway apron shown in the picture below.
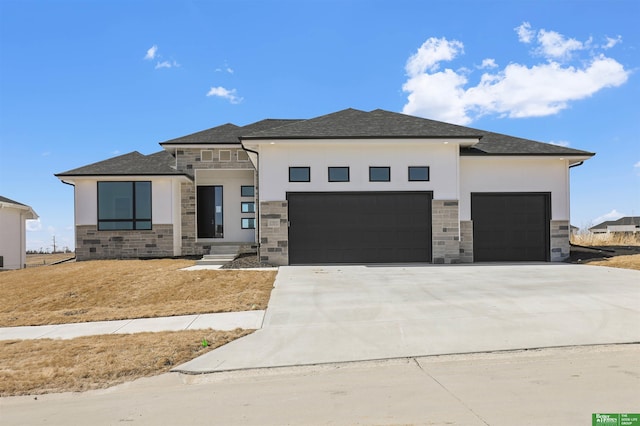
(325, 314)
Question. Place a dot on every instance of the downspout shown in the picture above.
(257, 208)
(75, 230)
(577, 164)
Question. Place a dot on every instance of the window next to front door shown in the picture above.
(210, 219)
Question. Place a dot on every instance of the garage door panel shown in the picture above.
(510, 227)
(359, 227)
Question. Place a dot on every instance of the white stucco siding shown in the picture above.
(515, 174)
(231, 181)
(13, 237)
(12, 245)
(275, 160)
(165, 196)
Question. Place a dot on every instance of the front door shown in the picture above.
(209, 199)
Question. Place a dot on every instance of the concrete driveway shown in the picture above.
(324, 314)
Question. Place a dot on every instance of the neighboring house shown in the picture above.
(351, 186)
(624, 224)
(13, 235)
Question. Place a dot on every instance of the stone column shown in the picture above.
(445, 228)
(560, 246)
(274, 232)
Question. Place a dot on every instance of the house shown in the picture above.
(13, 245)
(624, 224)
(347, 187)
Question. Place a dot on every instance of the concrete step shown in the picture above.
(229, 249)
(219, 254)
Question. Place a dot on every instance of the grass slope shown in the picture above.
(33, 367)
(120, 289)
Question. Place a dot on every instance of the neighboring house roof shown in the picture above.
(131, 164)
(226, 133)
(627, 220)
(4, 201)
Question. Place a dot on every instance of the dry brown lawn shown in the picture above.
(626, 262)
(120, 289)
(32, 367)
(47, 258)
(611, 239)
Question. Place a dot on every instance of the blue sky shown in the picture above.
(82, 81)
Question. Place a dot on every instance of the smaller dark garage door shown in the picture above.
(362, 227)
(510, 226)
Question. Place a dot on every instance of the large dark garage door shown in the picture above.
(363, 227)
(510, 226)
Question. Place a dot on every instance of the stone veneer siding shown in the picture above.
(94, 244)
(560, 246)
(445, 231)
(466, 241)
(188, 160)
(274, 232)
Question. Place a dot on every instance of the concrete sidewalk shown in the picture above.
(328, 314)
(561, 386)
(219, 321)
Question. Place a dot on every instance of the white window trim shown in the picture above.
(202, 154)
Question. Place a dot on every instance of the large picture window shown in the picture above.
(124, 206)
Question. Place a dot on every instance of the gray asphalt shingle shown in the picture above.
(131, 164)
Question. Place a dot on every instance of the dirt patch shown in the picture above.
(123, 289)
(589, 254)
(32, 367)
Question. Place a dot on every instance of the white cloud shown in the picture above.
(167, 64)
(612, 215)
(637, 167)
(560, 143)
(555, 45)
(33, 225)
(221, 92)
(488, 63)
(612, 42)
(517, 90)
(525, 33)
(431, 53)
(151, 53)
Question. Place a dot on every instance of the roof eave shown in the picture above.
(200, 145)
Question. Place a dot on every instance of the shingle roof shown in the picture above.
(8, 200)
(226, 133)
(627, 220)
(352, 123)
(131, 164)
